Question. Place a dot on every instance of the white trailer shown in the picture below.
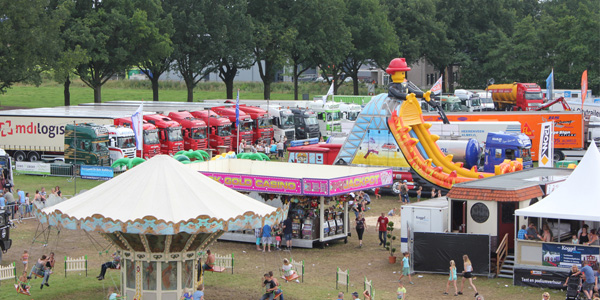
(475, 130)
(424, 216)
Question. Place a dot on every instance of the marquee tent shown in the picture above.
(576, 198)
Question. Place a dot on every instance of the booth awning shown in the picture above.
(577, 198)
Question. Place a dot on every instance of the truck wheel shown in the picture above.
(34, 156)
(20, 156)
(396, 188)
(558, 155)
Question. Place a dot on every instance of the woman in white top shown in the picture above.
(467, 274)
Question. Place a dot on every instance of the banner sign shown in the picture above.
(33, 167)
(546, 151)
(564, 256)
(316, 187)
(96, 172)
(344, 185)
(538, 278)
(265, 184)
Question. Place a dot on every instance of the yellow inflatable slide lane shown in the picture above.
(439, 168)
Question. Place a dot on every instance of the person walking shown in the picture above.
(404, 192)
(406, 267)
(382, 223)
(452, 278)
(361, 225)
(401, 291)
(467, 274)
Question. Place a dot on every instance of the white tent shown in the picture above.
(577, 198)
(162, 190)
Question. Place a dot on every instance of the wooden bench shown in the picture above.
(76, 264)
(222, 262)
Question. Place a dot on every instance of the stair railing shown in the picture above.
(501, 253)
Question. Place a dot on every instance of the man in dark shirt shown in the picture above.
(287, 232)
(531, 232)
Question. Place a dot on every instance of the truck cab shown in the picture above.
(329, 116)
(469, 100)
(263, 125)
(169, 133)
(306, 124)
(246, 126)
(121, 142)
(151, 146)
(219, 129)
(283, 122)
(194, 130)
(503, 145)
(87, 144)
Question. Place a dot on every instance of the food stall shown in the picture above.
(316, 195)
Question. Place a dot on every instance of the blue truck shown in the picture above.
(506, 145)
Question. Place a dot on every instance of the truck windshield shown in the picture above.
(352, 115)
(287, 121)
(126, 142)
(533, 96)
(333, 116)
(475, 102)
(452, 106)
(174, 134)
(151, 137)
(99, 146)
(264, 123)
(246, 125)
(198, 133)
(312, 120)
(526, 154)
(224, 130)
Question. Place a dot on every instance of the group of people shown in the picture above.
(584, 236)
(589, 276)
(42, 268)
(359, 202)
(467, 274)
(366, 295)
(404, 199)
(268, 236)
(262, 146)
(18, 203)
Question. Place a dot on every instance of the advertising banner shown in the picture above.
(546, 145)
(33, 168)
(344, 185)
(564, 256)
(264, 184)
(96, 172)
(316, 187)
(538, 278)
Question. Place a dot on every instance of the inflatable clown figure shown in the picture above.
(399, 88)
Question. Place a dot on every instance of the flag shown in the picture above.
(583, 88)
(437, 87)
(330, 92)
(237, 110)
(550, 86)
(546, 150)
(137, 124)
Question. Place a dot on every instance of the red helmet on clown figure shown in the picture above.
(397, 64)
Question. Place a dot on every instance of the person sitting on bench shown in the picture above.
(210, 261)
(114, 264)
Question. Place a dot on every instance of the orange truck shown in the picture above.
(516, 96)
(572, 133)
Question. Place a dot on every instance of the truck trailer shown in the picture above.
(516, 96)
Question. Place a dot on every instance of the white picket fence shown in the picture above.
(8, 272)
(76, 264)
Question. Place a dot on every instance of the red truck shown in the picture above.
(245, 130)
(516, 96)
(263, 127)
(151, 145)
(194, 130)
(219, 129)
(169, 133)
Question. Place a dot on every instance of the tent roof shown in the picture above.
(161, 196)
(577, 197)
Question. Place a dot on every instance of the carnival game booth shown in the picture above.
(546, 264)
(317, 195)
(160, 215)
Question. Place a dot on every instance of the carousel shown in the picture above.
(160, 215)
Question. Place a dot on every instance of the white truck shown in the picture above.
(469, 99)
(328, 116)
(283, 122)
(39, 133)
(350, 112)
(424, 216)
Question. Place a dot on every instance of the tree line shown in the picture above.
(508, 40)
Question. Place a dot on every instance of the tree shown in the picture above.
(272, 37)
(234, 44)
(373, 37)
(27, 32)
(320, 28)
(154, 28)
(193, 42)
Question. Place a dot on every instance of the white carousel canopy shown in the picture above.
(161, 191)
(577, 197)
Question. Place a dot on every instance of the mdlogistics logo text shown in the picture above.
(6, 129)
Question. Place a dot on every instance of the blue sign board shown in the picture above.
(96, 172)
(564, 255)
(567, 94)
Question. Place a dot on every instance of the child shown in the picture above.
(25, 259)
(112, 295)
(467, 274)
(287, 270)
(257, 234)
(377, 196)
(439, 192)
(187, 295)
(432, 192)
(452, 278)
(401, 292)
(23, 280)
(393, 212)
(575, 240)
(406, 267)
(277, 235)
(419, 193)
